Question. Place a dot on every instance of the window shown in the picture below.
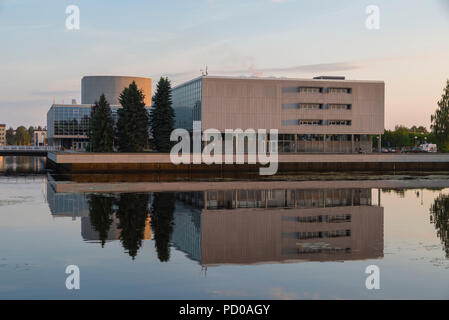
(333, 106)
(339, 122)
(310, 122)
(339, 90)
(290, 122)
(310, 90)
(311, 106)
(290, 90)
(290, 106)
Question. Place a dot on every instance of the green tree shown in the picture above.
(162, 210)
(440, 121)
(101, 127)
(162, 116)
(100, 215)
(31, 133)
(10, 137)
(23, 137)
(133, 120)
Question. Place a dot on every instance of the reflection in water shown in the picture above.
(162, 210)
(100, 214)
(12, 165)
(261, 226)
(439, 215)
(132, 214)
(236, 226)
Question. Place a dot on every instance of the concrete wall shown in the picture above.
(93, 86)
(257, 103)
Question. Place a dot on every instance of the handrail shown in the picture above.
(30, 148)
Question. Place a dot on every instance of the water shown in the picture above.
(237, 240)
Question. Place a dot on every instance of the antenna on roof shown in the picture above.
(205, 72)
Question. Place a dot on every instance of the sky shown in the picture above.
(41, 60)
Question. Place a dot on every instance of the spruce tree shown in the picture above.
(162, 116)
(101, 127)
(133, 120)
(440, 121)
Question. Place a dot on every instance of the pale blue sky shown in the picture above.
(40, 59)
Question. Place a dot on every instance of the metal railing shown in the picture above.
(30, 148)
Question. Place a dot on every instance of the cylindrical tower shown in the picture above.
(112, 86)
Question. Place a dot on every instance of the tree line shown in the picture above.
(136, 129)
(403, 136)
(21, 136)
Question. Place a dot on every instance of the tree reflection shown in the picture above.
(439, 215)
(100, 214)
(162, 210)
(132, 212)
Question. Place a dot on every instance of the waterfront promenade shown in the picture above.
(158, 162)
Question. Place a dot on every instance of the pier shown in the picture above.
(158, 162)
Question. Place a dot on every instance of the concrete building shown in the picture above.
(39, 138)
(68, 124)
(2, 134)
(323, 114)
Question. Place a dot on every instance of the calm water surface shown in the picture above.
(258, 242)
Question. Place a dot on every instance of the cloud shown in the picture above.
(51, 93)
(320, 67)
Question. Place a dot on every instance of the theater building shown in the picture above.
(68, 124)
(323, 114)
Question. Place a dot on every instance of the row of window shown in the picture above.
(316, 122)
(317, 234)
(316, 106)
(320, 137)
(317, 90)
(300, 198)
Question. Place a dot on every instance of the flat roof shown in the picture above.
(106, 76)
(80, 105)
(316, 79)
(289, 79)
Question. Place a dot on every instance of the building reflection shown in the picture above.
(13, 165)
(263, 226)
(234, 226)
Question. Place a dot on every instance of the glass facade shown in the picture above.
(68, 125)
(291, 198)
(333, 143)
(187, 103)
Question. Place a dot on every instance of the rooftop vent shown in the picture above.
(329, 78)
